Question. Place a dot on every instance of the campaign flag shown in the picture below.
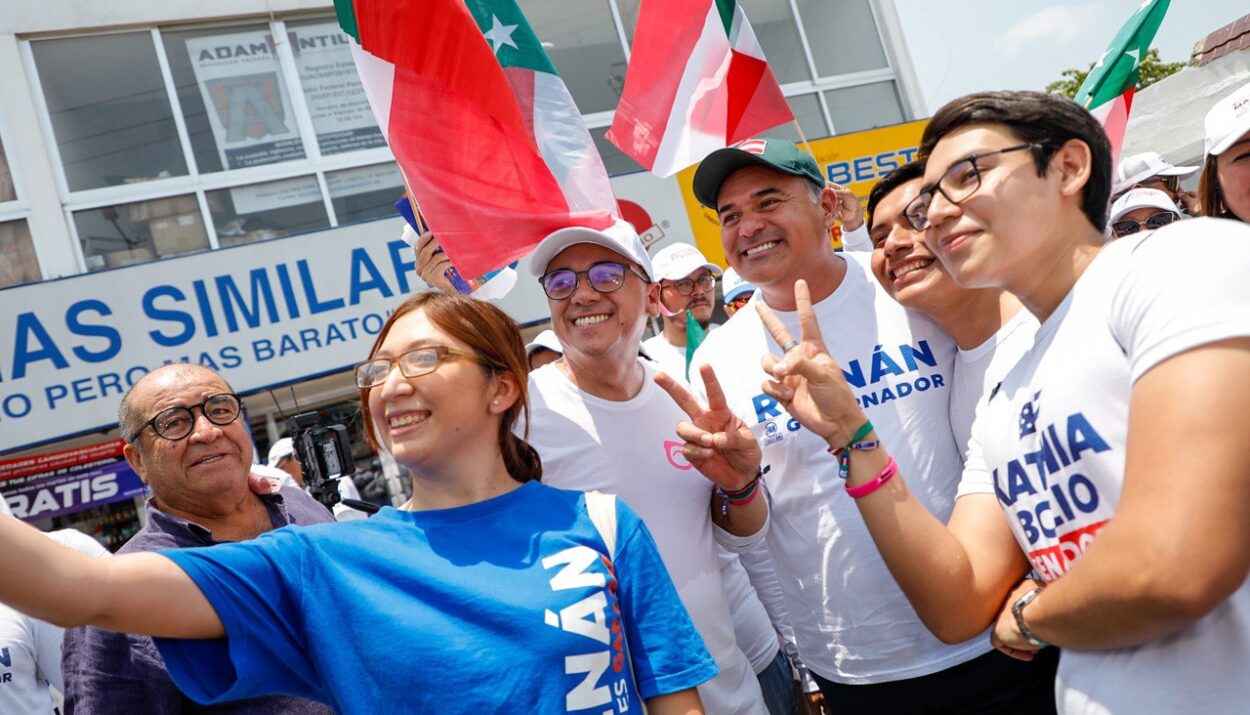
(1107, 91)
(697, 82)
(484, 130)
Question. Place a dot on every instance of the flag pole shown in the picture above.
(802, 137)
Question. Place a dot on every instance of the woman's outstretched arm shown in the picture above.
(133, 593)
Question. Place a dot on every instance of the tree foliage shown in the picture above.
(1151, 70)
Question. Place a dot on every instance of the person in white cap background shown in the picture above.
(543, 349)
(30, 671)
(282, 456)
(1149, 170)
(735, 291)
(599, 422)
(1224, 189)
(1141, 209)
(687, 288)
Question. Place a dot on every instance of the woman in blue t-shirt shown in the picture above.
(486, 592)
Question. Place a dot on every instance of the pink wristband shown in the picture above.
(872, 485)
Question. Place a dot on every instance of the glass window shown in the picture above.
(234, 100)
(141, 231)
(581, 40)
(614, 160)
(259, 211)
(847, 40)
(864, 107)
(340, 112)
(109, 110)
(806, 108)
(19, 265)
(8, 190)
(773, 23)
(364, 193)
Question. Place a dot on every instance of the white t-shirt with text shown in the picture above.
(851, 621)
(1050, 444)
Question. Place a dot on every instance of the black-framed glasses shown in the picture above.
(605, 277)
(176, 423)
(414, 363)
(1170, 183)
(1127, 226)
(960, 181)
(686, 286)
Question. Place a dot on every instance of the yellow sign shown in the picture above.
(852, 160)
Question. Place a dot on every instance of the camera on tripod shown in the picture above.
(325, 454)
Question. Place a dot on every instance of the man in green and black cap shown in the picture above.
(856, 631)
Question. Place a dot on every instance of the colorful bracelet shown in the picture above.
(872, 485)
(742, 497)
(843, 454)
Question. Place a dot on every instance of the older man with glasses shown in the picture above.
(186, 439)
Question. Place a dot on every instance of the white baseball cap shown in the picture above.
(545, 340)
(620, 237)
(280, 449)
(1228, 121)
(732, 285)
(680, 260)
(1139, 199)
(1140, 167)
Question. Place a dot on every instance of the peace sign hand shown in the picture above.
(807, 381)
(718, 444)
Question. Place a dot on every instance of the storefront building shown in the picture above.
(204, 182)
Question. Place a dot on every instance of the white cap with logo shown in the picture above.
(1228, 121)
(1140, 199)
(1140, 167)
(680, 260)
(733, 285)
(620, 237)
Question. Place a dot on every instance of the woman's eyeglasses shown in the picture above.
(414, 363)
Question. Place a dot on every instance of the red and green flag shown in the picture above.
(1107, 91)
(485, 132)
(697, 82)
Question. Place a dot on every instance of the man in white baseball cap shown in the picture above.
(735, 291)
(687, 284)
(1141, 209)
(1224, 189)
(1149, 170)
(599, 421)
(282, 456)
(543, 349)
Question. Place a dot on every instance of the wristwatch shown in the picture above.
(1017, 610)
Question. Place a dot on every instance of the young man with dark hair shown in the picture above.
(1115, 448)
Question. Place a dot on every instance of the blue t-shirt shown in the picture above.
(510, 604)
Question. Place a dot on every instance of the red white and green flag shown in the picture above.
(697, 82)
(485, 132)
(1107, 91)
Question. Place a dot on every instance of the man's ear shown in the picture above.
(1073, 164)
(135, 459)
(653, 300)
(828, 208)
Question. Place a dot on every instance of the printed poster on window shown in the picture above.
(42, 486)
(247, 102)
(340, 110)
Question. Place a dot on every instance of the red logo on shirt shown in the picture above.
(1054, 561)
(672, 450)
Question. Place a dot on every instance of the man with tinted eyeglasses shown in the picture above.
(598, 421)
(187, 440)
(1149, 170)
(687, 285)
(1141, 209)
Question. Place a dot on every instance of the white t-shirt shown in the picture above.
(1064, 410)
(630, 449)
(30, 649)
(753, 630)
(979, 369)
(851, 621)
(668, 357)
(857, 240)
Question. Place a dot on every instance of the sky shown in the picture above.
(970, 45)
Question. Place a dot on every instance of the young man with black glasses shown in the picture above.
(687, 284)
(188, 442)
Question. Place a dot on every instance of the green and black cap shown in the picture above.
(778, 154)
